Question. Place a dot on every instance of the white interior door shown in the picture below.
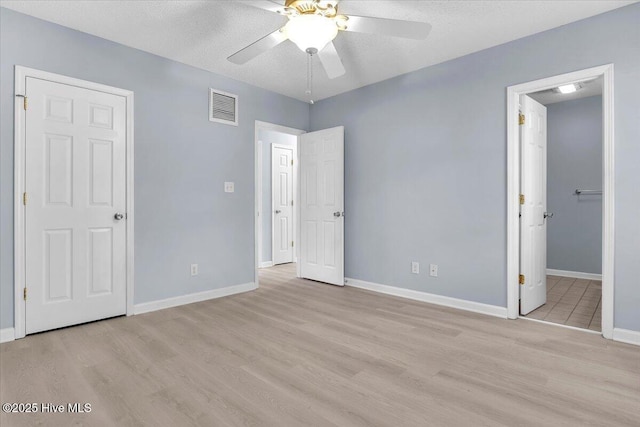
(76, 185)
(282, 201)
(533, 186)
(322, 205)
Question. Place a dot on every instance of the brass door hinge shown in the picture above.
(522, 199)
(292, 243)
(24, 294)
(24, 198)
(520, 118)
(521, 279)
(24, 101)
(291, 162)
(292, 203)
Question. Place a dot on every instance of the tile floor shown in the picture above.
(572, 302)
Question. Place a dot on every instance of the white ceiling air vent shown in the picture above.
(223, 107)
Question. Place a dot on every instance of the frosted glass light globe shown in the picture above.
(311, 31)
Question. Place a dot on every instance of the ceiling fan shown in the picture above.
(312, 26)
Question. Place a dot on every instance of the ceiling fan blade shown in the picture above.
(331, 61)
(388, 27)
(256, 48)
(271, 6)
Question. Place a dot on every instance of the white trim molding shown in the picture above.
(21, 74)
(476, 307)
(608, 204)
(266, 264)
(7, 334)
(147, 307)
(574, 274)
(627, 336)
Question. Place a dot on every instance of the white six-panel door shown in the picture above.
(322, 205)
(533, 226)
(282, 201)
(75, 247)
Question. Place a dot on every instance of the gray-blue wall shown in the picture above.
(268, 138)
(425, 162)
(181, 159)
(574, 160)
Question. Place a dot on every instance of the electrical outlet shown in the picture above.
(229, 187)
(194, 269)
(433, 270)
(415, 267)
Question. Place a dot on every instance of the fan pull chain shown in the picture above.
(310, 77)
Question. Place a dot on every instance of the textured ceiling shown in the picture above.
(204, 33)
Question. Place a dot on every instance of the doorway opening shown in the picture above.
(567, 287)
(312, 212)
(276, 160)
(560, 200)
(74, 173)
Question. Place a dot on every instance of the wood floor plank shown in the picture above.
(297, 352)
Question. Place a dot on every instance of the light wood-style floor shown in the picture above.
(572, 302)
(297, 352)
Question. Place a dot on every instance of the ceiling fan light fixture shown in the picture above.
(311, 31)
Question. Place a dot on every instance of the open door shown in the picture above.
(533, 205)
(322, 205)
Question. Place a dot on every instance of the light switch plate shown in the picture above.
(415, 267)
(229, 187)
(194, 269)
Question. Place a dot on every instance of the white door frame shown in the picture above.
(259, 160)
(19, 274)
(513, 186)
(294, 190)
(257, 170)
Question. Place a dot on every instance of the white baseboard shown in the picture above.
(7, 334)
(627, 336)
(574, 274)
(266, 264)
(191, 298)
(476, 307)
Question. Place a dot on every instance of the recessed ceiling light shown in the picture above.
(564, 89)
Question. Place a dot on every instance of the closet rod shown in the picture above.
(587, 192)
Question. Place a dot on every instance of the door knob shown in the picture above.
(277, 211)
(548, 214)
(337, 214)
(118, 216)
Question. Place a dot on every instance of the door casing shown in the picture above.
(21, 74)
(513, 187)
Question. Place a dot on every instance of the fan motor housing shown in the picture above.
(304, 7)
